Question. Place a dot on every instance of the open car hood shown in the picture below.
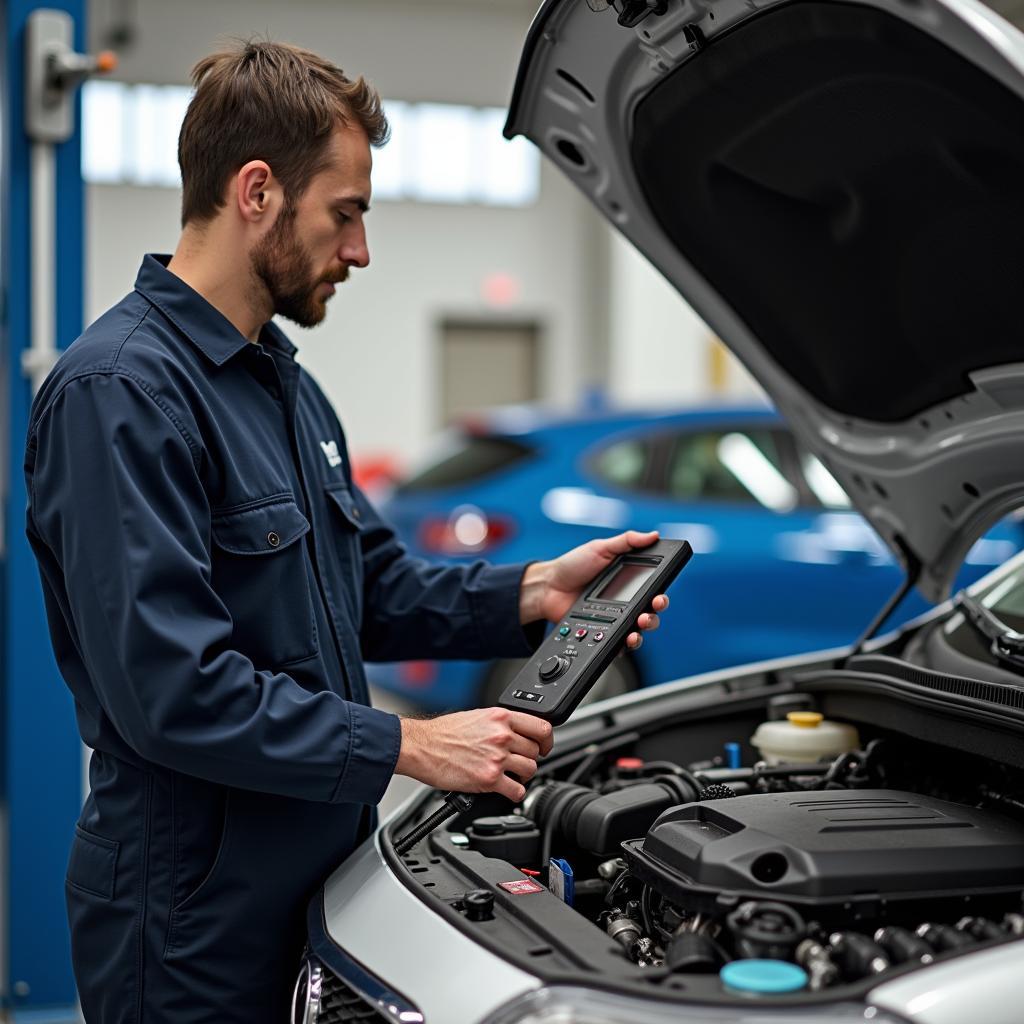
(838, 189)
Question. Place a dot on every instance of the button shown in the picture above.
(533, 698)
(355, 512)
(272, 539)
(580, 633)
(598, 637)
(564, 631)
(552, 668)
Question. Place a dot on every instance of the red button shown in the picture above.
(580, 633)
(598, 636)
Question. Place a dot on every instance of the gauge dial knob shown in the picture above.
(552, 668)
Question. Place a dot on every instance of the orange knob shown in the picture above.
(106, 62)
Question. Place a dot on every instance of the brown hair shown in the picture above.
(266, 101)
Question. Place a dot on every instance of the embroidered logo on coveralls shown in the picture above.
(330, 449)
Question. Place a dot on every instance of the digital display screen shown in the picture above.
(625, 584)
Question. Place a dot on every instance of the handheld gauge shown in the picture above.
(572, 658)
(569, 662)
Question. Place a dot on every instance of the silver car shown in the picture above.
(838, 189)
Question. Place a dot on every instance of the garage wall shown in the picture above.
(661, 352)
(376, 353)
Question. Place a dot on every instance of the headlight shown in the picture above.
(564, 1005)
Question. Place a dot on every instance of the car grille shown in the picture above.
(340, 1004)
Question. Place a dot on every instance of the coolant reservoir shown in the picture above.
(803, 738)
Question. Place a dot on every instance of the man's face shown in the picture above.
(315, 241)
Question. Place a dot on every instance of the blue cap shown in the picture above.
(765, 977)
(732, 755)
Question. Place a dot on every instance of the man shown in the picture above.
(214, 580)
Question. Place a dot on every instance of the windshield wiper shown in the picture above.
(1007, 643)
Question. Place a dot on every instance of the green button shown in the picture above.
(564, 631)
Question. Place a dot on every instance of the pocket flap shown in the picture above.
(261, 530)
(346, 503)
(92, 866)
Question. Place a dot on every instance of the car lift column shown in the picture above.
(41, 247)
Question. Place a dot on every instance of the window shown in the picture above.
(1005, 599)
(731, 466)
(624, 464)
(466, 459)
(438, 153)
(822, 484)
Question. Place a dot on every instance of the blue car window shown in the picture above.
(739, 466)
(471, 457)
(623, 464)
(821, 483)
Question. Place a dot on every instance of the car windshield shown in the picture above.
(1001, 604)
(465, 458)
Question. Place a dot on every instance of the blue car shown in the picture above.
(782, 564)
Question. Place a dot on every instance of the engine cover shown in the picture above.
(871, 848)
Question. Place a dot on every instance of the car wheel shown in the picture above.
(619, 677)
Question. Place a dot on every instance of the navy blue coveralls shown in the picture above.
(213, 581)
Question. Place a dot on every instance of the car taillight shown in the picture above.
(466, 531)
(417, 673)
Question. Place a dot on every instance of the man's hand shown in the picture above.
(471, 751)
(550, 589)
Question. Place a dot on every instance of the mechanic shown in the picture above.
(213, 578)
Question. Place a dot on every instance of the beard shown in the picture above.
(285, 269)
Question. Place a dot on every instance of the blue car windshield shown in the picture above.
(468, 459)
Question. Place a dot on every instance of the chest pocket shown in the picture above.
(346, 522)
(261, 572)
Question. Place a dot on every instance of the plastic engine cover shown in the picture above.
(821, 847)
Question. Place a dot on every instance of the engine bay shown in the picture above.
(834, 871)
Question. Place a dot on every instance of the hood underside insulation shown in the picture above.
(855, 190)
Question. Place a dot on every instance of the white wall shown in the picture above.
(660, 349)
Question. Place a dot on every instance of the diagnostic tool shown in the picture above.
(572, 658)
(580, 648)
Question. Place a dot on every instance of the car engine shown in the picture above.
(883, 857)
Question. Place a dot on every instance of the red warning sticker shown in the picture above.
(521, 886)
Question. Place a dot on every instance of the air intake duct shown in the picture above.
(599, 823)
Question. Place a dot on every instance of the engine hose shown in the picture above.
(558, 800)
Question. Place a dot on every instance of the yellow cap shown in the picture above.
(806, 719)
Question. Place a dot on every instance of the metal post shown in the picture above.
(40, 776)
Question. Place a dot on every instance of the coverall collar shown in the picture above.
(205, 326)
